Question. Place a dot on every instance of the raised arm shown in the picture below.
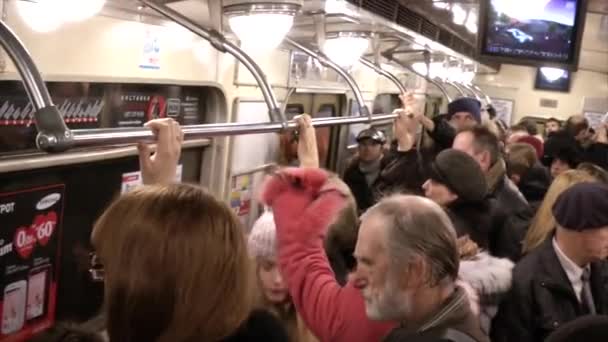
(304, 206)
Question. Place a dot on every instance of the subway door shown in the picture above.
(251, 159)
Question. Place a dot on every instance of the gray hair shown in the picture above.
(419, 227)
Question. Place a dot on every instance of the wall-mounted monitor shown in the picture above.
(531, 32)
(553, 79)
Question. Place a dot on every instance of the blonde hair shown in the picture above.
(543, 222)
(171, 254)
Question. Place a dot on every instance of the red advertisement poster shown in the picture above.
(29, 257)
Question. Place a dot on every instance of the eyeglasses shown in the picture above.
(96, 270)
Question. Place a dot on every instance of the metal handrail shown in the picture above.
(384, 73)
(389, 55)
(88, 137)
(458, 89)
(488, 99)
(220, 42)
(53, 134)
(326, 61)
(472, 91)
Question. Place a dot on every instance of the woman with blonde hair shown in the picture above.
(273, 294)
(543, 223)
(175, 263)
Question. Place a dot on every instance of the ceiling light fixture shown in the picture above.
(261, 27)
(345, 48)
(79, 10)
(471, 22)
(459, 14)
(48, 15)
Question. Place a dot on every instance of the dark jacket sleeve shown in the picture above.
(402, 172)
(443, 135)
(514, 320)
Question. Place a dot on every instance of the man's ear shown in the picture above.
(515, 178)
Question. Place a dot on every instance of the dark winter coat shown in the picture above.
(260, 326)
(541, 298)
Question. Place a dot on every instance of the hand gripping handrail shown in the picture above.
(220, 42)
(133, 135)
(324, 60)
(384, 73)
(53, 134)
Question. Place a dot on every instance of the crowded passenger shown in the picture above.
(483, 146)
(365, 169)
(543, 223)
(525, 171)
(273, 293)
(566, 276)
(408, 263)
(167, 246)
(578, 140)
(462, 113)
(552, 125)
(458, 185)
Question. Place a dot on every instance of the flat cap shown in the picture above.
(461, 174)
(583, 206)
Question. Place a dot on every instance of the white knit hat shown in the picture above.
(262, 239)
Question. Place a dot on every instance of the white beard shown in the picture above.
(391, 304)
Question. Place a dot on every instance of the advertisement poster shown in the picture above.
(594, 119)
(240, 196)
(29, 257)
(132, 180)
(150, 58)
(504, 109)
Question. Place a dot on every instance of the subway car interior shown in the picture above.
(80, 78)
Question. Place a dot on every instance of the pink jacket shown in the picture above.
(303, 210)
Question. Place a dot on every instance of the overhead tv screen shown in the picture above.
(553, 79)
(532, 32)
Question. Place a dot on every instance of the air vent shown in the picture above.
(430, 30)
(409, 19)
(384, 8)
(548, 103)
(445, 37)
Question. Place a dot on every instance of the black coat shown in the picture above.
(402, 172)
(260, 326)
(355, 179)
(517, 214)
(475, 220)
(444, 134)
(534, 185)
(541, 298)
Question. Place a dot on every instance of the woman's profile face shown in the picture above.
(273, 287)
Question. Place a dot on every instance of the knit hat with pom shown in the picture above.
(262, 239)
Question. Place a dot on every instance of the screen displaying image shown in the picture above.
(36, 295)
(553, 79)
(531, 29)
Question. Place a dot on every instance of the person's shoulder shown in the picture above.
(527, 268)
(260, 326)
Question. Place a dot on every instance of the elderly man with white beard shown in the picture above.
(407, 268)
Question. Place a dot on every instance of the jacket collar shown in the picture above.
(456, 305)
(553, 276)
(495, 175)
(551, 273)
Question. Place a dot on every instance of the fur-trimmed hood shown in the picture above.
(489, 276)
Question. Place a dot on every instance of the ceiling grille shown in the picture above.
(407, 18)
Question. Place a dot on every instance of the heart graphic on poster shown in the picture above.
(44, 226)
(24, 241)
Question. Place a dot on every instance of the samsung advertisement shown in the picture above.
(532, 31)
